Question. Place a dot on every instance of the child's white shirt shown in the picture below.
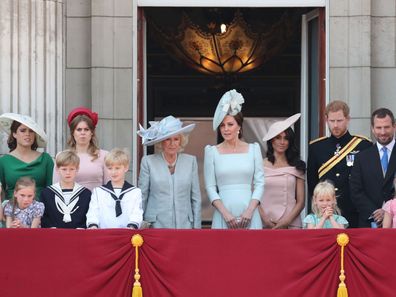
(102, 208)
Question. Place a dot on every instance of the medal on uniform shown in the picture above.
(338, 148)
(350, 159)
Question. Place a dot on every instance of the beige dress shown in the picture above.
(280, 193)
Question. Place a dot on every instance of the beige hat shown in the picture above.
(6, 120)
(280, 126)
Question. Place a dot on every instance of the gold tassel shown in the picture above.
(342, 240)
(137, 241)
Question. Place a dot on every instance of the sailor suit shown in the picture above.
(65, 208)
(115, 208)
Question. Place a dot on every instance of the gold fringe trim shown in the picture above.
(137, 241)
(342, 240)
(326, 167)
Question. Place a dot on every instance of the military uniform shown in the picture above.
(332, 158)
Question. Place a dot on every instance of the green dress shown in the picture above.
(11, 169)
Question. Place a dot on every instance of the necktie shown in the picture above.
(384, 159)
(118, 209)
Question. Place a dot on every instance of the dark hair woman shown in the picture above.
(23, 159)
(231, 168)
(283, 199)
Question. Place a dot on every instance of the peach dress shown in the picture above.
(280, 193)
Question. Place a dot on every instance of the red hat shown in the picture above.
(83, 111)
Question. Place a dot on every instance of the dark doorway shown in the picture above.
(173, 88)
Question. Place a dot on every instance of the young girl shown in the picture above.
(390, 212)
(325, 209)
(23, 211)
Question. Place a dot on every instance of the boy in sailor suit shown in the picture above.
(116, 204)
(66, 203)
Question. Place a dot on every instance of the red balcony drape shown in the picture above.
(195, 263)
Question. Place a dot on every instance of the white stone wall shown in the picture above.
(99, 65)
(59, 54)
(383, 56)
(31, 64)
(362, 57)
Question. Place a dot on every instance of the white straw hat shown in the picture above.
(280, 126)
(159, 131)
(6, 120)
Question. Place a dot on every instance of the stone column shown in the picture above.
(111, 62)
(350, 59)
(99, 66)
(31, 64)
(383, 56)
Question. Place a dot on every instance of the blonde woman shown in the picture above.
(169, 178)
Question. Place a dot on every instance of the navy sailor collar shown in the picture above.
(125, 188)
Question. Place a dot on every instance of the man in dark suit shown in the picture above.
(332, 158)
(372, 178)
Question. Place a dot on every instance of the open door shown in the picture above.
(313, 80)
(311, 84)
(313, 77)
(141, 86)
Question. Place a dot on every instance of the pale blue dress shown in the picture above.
(314, 220)
(236, 179)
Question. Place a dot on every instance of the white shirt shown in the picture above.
(389, 148)
(102, 209)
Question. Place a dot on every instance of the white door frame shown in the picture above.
(231, 3)
(306, 18)
(219, 3)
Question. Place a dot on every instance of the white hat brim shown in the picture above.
(184, 130)
(280, 126)
(231, 96)
(6, 120)
(218, 117)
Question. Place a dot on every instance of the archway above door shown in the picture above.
(222, 41)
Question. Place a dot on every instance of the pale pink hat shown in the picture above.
(280, 126)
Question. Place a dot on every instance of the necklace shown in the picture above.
(171, 166)
(231, 147)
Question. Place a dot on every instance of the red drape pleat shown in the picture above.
(195, 263)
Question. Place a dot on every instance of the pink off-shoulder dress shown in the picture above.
(280, 193)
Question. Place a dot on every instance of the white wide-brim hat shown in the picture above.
(280, 126)
(6, 120)
(161, 130)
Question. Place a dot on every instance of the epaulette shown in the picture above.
(318, 139)
(363, 137)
